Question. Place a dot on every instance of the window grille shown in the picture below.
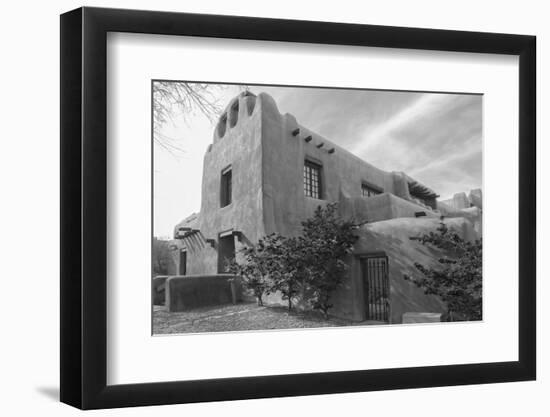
(312, 180)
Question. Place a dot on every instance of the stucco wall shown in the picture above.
(284, 152)
(380, 207)
(241, 148)
(393, 238)
(461, 201)
(172, 262)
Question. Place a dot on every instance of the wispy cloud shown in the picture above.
(425, 106)
(446, 162)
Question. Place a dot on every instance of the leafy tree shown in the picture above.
(458, 281)
(287, 266)
(161, 256)
(253, 270)
(274, 264)
(326, 242)
(312, 264)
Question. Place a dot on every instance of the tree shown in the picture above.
(458, 281)
(274, 264)
(313, 263)
(287, 266)
(184, 98)
(253, 270)
(326, 242)
(161, 256)
(276, 258)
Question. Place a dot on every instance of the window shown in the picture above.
(225, 190)
(368, 190)
(312, 180)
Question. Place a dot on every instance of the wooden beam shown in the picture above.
(186, 233)
(226, 233)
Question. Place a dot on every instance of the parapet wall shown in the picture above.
(381, 207)
(461, 201)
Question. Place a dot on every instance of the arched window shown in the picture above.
(222, 125)
(250, 103)
(234, 114)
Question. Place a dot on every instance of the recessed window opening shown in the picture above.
(312, 180)
(222, 125)
(226, 187)
(234, 114)
(250, 103)
(368, 190)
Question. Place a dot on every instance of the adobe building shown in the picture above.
(266, 173)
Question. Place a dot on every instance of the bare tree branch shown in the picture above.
(171, 98)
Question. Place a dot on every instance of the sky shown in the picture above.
(435, 138)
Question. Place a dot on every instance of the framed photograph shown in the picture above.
(258, 208)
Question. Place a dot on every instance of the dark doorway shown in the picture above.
(183, 262)
(376, 287)
(226, 251)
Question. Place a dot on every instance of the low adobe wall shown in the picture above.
(192, 291)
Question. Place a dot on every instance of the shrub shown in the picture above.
(458, 281)
(252, 271)
(314, 261)
(161, 257)
(287, 267)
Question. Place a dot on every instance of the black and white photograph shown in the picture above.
(267, 209)
(293, 207)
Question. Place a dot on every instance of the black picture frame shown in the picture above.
(84, 207)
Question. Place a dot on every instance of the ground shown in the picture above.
(244, 316)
